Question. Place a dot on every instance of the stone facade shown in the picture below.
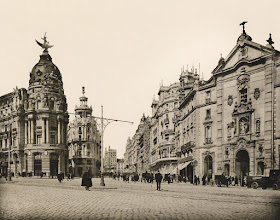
(120, 166)
(137, 152)
(228, 124)
(110, 160)
(84, 140)
(34, 122)
(234, 115)
(162, 135)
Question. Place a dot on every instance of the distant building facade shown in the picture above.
(33, 123)
(110, 160)
(84, 141)
(130, 156)
(162, 134)
(137, 152)
(120, 166)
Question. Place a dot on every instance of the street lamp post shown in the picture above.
(102, 183)
(9, 161)
(102, 128)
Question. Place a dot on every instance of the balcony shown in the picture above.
(163, 143)
(166, 121)
(208, 118)
(185, 159)
(168, 131)
(208, 141)
(188, 146)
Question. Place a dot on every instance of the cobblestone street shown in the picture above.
(32, 198)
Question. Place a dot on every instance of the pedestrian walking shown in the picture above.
(86, 180)
(195, 180)
(59, 178)
(158, 177)
(236, 181)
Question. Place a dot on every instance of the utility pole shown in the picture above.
(9, 154)
(102, 128)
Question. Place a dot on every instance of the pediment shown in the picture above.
(245, 51)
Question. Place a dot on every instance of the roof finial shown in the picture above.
(243, 24)
(83, 90)
(270, 41)
(44, 45)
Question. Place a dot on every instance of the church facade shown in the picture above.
(235, 116)
(33, 123)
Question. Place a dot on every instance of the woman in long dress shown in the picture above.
(86, 180)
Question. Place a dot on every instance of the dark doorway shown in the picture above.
(242, 164)
(37, 165)
(80, 171)
(227, 170)
(208, 166)
(190, 173)
(53, 165)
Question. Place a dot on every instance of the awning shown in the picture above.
(183, 165)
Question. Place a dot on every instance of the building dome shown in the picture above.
(45, 72)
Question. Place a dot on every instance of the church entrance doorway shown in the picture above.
(242, 164)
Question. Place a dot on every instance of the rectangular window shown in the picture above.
(38, 104)
(208, 114)
(51, 105)
(208, 134)
(52, 139)
(208, 97)
(243, 96)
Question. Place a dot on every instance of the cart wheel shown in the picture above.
(275, 186)
(254, 185)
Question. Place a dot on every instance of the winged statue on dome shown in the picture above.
(44, 45)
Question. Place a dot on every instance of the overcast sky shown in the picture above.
(121, 51)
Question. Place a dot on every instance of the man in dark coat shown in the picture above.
(59, 177)
(86, 180)
(158, 178)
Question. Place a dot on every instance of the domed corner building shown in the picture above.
(33, 123)
(84, 140)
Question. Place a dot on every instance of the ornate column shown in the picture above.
(61, 163)
(58, 132)
(29, 131)
(26, 132)
(46, 163)
(32, 132)
(47, 130)
(31, 163)
(43, 131)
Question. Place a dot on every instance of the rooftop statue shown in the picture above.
(44, 45)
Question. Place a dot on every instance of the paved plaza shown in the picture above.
(35, 198)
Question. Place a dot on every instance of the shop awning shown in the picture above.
(183, 165)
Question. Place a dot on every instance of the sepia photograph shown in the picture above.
(139, 109)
